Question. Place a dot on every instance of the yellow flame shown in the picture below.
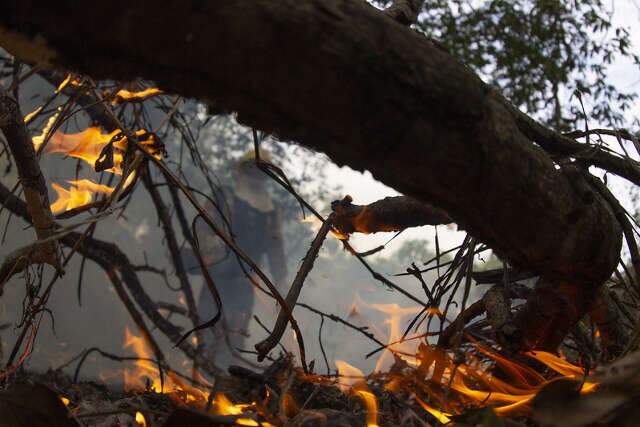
(353, 380)
(349, 375)
(39, 140)
(315, 224)
(371, 404)
(442, 417)
(125, 95)
(403, 349)
(79, 194)
(179, 392)
(65, 401)
(88, 144)
(140, 419)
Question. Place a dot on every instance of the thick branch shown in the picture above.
(405, 11)
(388, 214)
(32, 180)
(369, 93)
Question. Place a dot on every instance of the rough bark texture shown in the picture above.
(33, 185)
(388, 214)
(405, 11)
(341, 77)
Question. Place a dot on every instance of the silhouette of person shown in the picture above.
(255, 225)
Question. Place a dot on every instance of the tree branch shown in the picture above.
(33, 184)
(405, 11)
(388, 214)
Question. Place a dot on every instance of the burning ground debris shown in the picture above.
(486, 389)
(463, 379)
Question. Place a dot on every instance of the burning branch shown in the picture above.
(388, 214)
(35, 191)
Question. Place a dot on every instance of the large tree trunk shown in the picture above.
(343, 78)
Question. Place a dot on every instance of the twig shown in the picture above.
(266, 345)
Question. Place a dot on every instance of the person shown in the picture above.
(256, 228)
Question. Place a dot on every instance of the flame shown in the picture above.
(65, 401)
(349, 375)
(79, 194)
(315, 225)
(371, 404)
(88, 144)
(395, 345)
(476, 386)
(353, 380)
(39, 140)
(180, 392)
(127, 96)
(140, 419)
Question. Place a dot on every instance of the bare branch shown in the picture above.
(32, 180)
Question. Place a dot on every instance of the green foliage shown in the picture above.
(539, 53)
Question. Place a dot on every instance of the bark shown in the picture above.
(388, 214)
(341, 77)
(34, 187)
(405, 11)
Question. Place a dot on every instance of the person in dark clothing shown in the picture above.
(256, 228)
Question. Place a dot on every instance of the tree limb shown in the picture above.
(33, 184)
(405, 11)
(366, 91)
(388, 214)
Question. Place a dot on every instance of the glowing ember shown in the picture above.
(79, 194)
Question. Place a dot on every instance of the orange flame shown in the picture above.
(127, 96)
(140, 419)
(180, 393)
(353, 380)
(88, 144)
(315, 225)
(79, 194)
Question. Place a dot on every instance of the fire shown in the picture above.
(445, 383)
(352, 380)
(140, 419)
(127, 96)
(79, 194)
(395, 344)
(88, 144)
(315, 225)
(146, 376)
